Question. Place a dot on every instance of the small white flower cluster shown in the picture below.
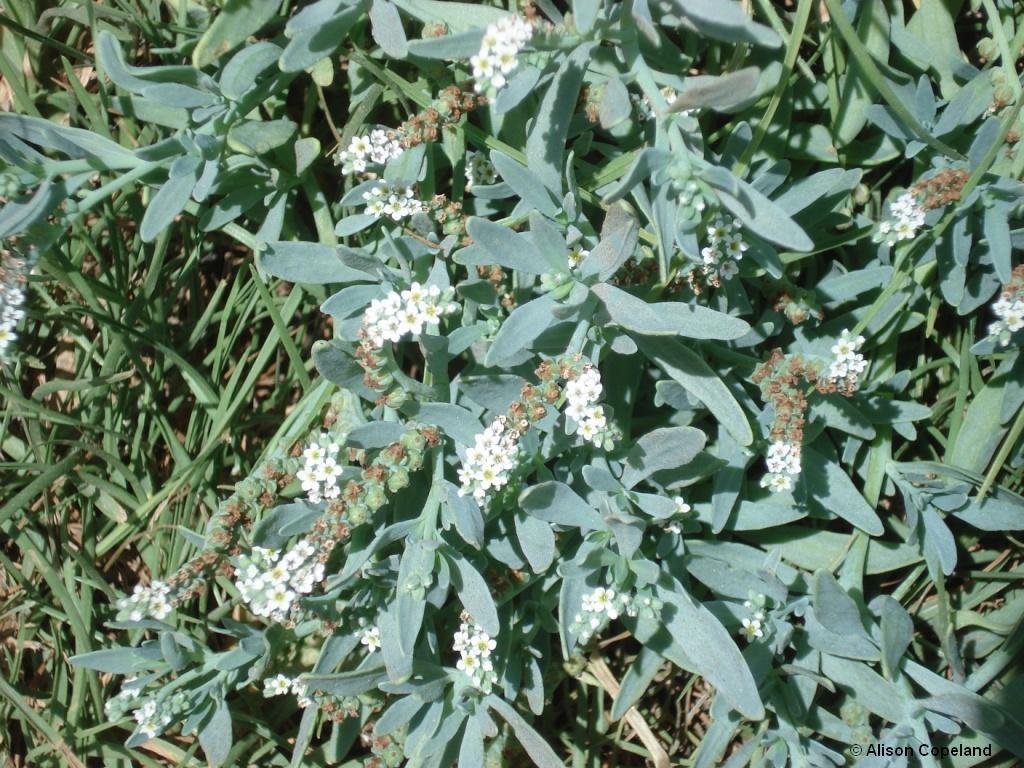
(576, 256)
(847, 362)
(753, 627)
(320, 470)
(384, 199)
(271, 583)
(154, 600)
(281, 685)
(582, 393)
(783, 461)
(725, 248)
(474, 647)
(499, 52)
(152, 718)
(12, 297)
(376, 147)
(907, 218)
(490, 461)
(115, 707)
(682, 510)
(602, 606)
(693, 197)
(479, 170)
(1009, 309)
(646, 108)
(410, 311)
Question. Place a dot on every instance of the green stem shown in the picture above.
(1000, 458)
(282, 330)
(102, 193)
(999, 35)
(321, 211)
(878, 81)
(803, 13)
(428, 518)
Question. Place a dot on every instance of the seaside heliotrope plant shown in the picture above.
(619, 393)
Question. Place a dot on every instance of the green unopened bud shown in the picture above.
(987, 48)
(414, 459)
(413, 440)
(398, 479)
(248, 490)
(852, 713)
(861, 194)
(1003, 94)
(375, 498)
(575, 665)
(357, 514)
(9, 185)
(679, 173)
(396, 398)
(392, 755)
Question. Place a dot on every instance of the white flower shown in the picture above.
(151, 718)
(499, 52)
(360, 145)
(720, 230)
(735, 246)
(271, 583)
(576, 256)
(908, 218)
(398, 314)
(280, 598)
(1014, 317)
(490, 461)
(301, 692)
(601, 606)
(581, 394)
(475, 647)
(751, 629)
(783, 461)
(376, 148)
(777, 483)
(847, 362)
(482, 644)
(784, 457)
(711, 255)
(370, 637)
(728, 269)
(320, 471)
(154, 601)
(278, 685)
(384, 199)
(726, 245)
(1009, 309)
(159, 608)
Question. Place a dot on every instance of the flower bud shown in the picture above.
(375, 497)
(357, 514)
(861, 194)
(413, 440)
(398, 479)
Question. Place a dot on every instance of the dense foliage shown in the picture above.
(404, 382)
